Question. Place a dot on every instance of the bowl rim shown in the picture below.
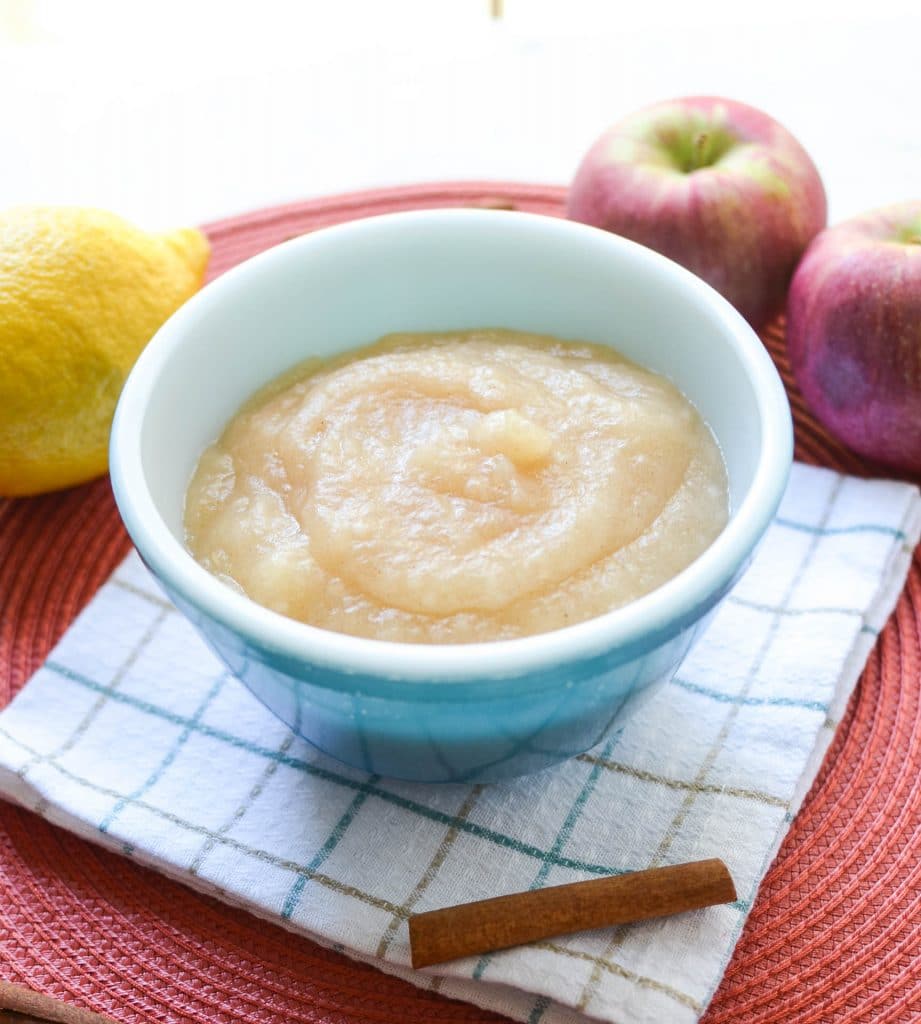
(663, 610)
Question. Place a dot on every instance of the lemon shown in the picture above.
(81, 293)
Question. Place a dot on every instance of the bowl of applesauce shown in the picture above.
(452, 491)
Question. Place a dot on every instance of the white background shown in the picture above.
(180, 111)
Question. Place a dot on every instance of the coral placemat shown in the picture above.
(835, 934)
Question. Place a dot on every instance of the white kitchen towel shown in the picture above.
(134, 736)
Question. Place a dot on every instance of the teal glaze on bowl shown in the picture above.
(471, 712)
(485, 730)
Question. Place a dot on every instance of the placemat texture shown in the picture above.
(894, 996)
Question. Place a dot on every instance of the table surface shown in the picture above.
(171, 112)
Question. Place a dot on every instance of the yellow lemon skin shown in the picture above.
(82, 291)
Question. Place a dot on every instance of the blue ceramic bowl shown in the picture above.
(446, 712)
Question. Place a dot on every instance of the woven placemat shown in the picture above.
(835, 934)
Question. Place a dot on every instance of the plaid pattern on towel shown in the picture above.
(134, 736)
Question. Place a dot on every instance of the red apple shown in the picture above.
(716, 185)
(854, 332)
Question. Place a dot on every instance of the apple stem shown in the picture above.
(701, 153)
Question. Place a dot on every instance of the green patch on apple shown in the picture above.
(697, 148)
(773, 181)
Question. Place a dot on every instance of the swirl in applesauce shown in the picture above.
(456, 487)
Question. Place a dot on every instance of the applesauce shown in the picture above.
(457, 487)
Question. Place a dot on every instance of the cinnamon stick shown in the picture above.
(35, 1005)
(473, 928)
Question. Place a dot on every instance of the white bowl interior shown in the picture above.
(339, 289)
